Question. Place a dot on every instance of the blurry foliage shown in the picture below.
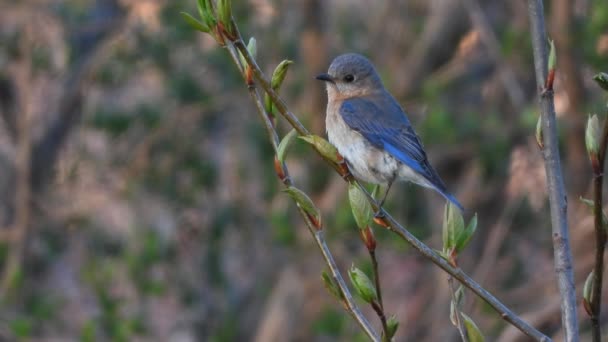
(194, 156)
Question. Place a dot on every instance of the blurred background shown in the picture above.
(138, 200)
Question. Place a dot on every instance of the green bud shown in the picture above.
(464, 236)
(306, 204)
(453, 224)
(224, 10)
(592, 136)
(195, 24)
(326, 149)
(539, 132)
(362, 284)
(588, 292)
(286, 144)
(552, 56)
(473, 332)
(392, 324)
(252, 47)
(331, 286)
(205, 10)
(279, 73)
(591, 205)
(362, 210)
(602, 80)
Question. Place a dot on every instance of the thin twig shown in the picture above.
(600, 239)
(459, 323)
(380, 309)
(488, 37)
(317, 234)
(393, 225)
(555, 181)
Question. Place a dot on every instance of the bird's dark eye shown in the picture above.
(349, 78)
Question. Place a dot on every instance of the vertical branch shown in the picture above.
(600, 238)
(555, 182)
(19, 229)
(317, 234)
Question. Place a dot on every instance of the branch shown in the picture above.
(318, 234)
(393, 225)
(21, 223)
(555, 182)
(600, 239)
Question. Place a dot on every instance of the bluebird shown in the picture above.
(370, 129)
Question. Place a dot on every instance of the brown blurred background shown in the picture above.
(138, 200)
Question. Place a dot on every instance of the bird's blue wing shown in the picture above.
(383, 123)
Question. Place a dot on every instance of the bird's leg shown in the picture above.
(388, 187)
(380, 214)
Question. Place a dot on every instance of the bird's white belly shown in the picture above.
(366, 162)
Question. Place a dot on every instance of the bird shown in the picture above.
(371, 130)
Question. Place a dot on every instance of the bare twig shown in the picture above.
(459, 323)
(380, 305)
(318, 234)
(393, 225)
(555, 182)
(600, 239)
(507, 76)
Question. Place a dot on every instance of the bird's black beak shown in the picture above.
(325, 78)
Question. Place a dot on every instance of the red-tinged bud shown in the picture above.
(315, 222)
(249, 75)
(592, 142)
(278, 168)
(367, 235)
(381, 221)
(453, 257)
(219, 37)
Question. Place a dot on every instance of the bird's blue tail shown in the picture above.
(451, 198)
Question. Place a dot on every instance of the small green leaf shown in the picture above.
(362, 210)
(326, 149)
(286, 144)
(591, 206)
(362, 284)
(305, 202)
(279, 73)
(252, 47)
(552, 56)
(473, 332)
(539, 132)
(224, 10)
(453, 225)
(205, 10)
(392, 324)
(376, 191)
(331, 285)
(200, 6)
(456, 304)
(592, 135)
(268, 105)
(195, 24)
(602, 80)
(464, 236)
(588, 287)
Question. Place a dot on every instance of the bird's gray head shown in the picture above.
(351, 75)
